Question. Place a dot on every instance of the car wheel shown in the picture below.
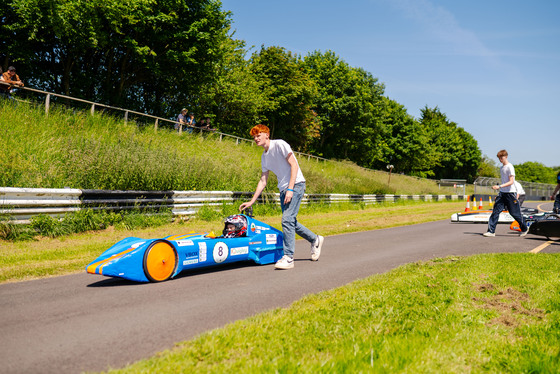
(160, 261)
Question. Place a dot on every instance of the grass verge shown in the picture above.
(496, 313)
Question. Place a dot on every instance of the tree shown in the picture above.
(404, 143)
(235, 98)
(456, 151)
(535, 172)
(347, 106)
(289, 93)
(488, 168)
(141, 54)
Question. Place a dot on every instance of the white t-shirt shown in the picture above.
(519, 188)
(276, 160)
(505, 172)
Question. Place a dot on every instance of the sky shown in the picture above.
(492, 66)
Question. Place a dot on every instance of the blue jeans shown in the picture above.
(556, 208)
(506, 200)
(290, 224)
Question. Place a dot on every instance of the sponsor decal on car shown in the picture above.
(270, 238)
(253, 227)
(190, 261)
(239, 251)
(202, 251)
(182, 243)
(253, 243)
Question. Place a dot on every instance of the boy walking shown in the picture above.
(507, 197)
(279, 158)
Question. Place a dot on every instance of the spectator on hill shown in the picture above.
(556, 208)
(191, 122)
(13, 79)
(520, 193)
(205, 124)
(181, 120)
(507, 198)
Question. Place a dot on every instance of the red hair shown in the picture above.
(256, 130)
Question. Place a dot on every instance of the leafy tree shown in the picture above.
(535, 172)
(347, 106)
(289, 93)
(235, 98)
(457, 152)
(405, 144)
(140, 54)
(488, 168)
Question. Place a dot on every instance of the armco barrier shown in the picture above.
(21, 204)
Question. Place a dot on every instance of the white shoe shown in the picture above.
(316, 247)
(488, 234)
(523, 233)
(284, 263)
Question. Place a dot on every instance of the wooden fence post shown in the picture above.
(47, 104)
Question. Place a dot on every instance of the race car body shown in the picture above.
(480, 216)
(156, 260)
(543, 224)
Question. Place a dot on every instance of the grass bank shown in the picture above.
(78, 150)
(495, 313)
(45, 256)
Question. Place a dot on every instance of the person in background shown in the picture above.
(13, 79)
(279, 158)
(520, 193)
(181, 120)
(556, 208)
(507, 197)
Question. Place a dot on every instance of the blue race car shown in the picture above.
(156, 260)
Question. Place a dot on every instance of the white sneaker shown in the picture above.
(316, 247)
(284, 263)
(488, 234)
(523, 233)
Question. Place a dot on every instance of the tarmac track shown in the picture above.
(83, 322)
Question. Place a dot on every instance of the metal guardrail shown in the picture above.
(19, 205)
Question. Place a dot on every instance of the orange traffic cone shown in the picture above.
(480, 206)
(468, 208)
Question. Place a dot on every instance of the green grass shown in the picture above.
(78, 150)
(496, 313)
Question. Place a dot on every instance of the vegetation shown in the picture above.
(78, 150)
(157, 57)
(536, 172)
(493, 313)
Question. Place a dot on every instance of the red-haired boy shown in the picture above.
(279, 158)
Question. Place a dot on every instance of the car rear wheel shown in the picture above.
(160, 261)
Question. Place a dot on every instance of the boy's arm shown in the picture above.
(293, 175)
(260, 187)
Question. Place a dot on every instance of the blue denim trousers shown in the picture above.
(506, 200)
(290, 224)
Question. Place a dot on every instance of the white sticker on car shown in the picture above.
(221, 252)
(182, 243)
(239, 251)
(270, 238)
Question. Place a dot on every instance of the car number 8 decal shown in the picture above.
(221, 252)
